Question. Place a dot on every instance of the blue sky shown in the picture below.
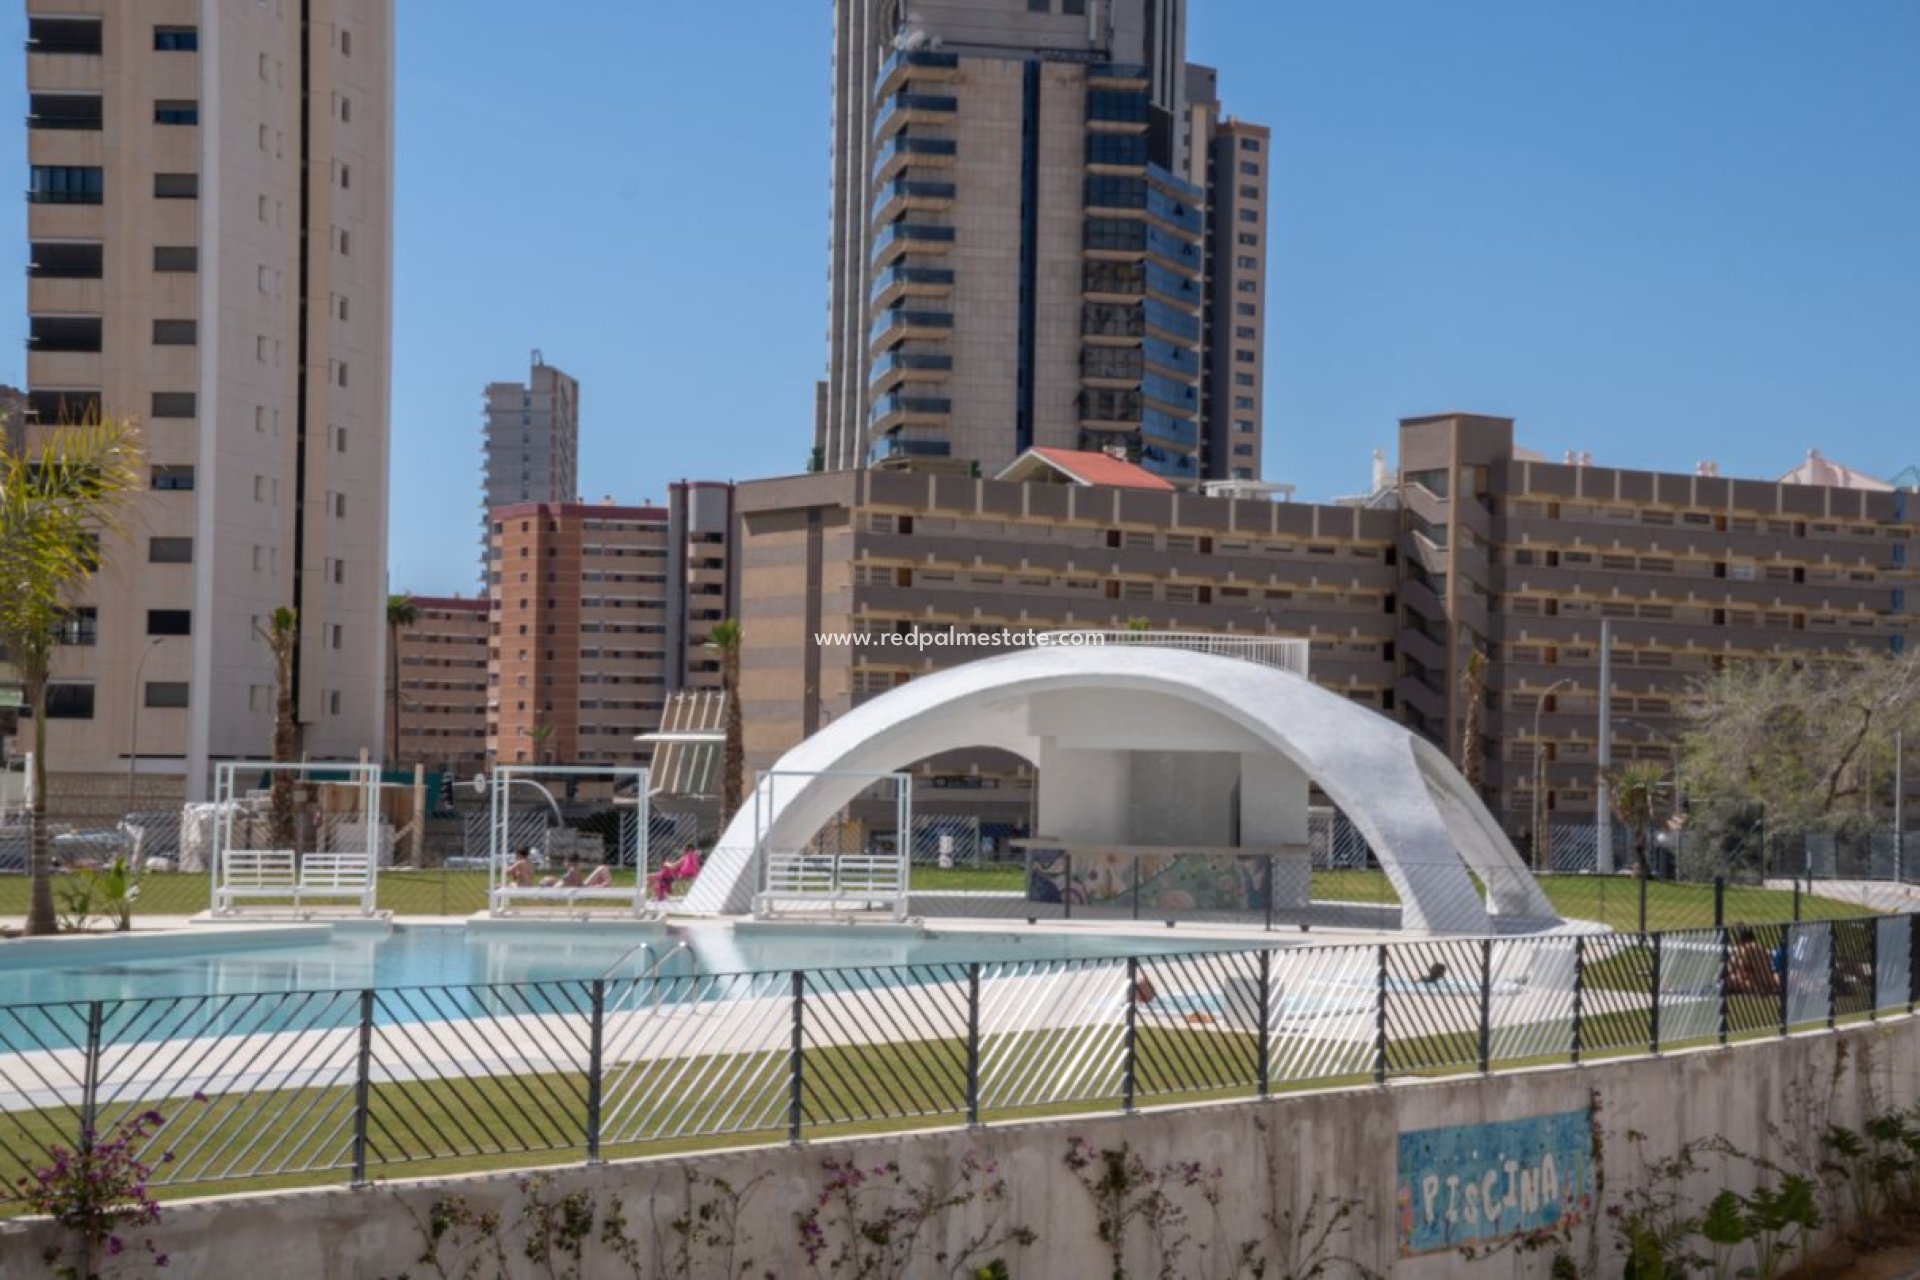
(1658, 232)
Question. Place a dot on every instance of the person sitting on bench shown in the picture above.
(672, 873)
(571, 878)
(520, 871)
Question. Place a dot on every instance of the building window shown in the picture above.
(1249, 168)
(343, 242)
(63, 406)
(1039, 6)
(176, 186)
(1249, 215)
(1242, 379)
(346, 177)
(169, 622)
(173, 479)
(1245, 309)
(169, 550)
(1249, 192)
(69, 702)
(1243, 357)
(346, 44)
(339, 506)
(63, 333)
(175, 333)
(80, 627)
(343, 373)
(176, 111)
(1249, 144)
(176, 257)
(346, 110)
(1247, 263)
(333, 702)
(166, 693)
(174, 404)
(335, 635)
(1246, 286)
(1249, 240)
(1244, 427)
(176, 39)
(1243, 451)
(1243, 402)
(65, 184)
(343, 307)
(1245, 332)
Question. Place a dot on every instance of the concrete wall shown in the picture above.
(1275, 1158)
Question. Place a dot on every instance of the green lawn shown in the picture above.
(1611, 900)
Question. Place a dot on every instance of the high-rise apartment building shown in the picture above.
(598, 612)
(1018, 249)
(442, 662)
(210, 216)
(531, 440)
(1229, 158)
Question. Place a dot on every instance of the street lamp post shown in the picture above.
(133, 728)
(1541, 862)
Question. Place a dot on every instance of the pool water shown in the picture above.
(351, 958)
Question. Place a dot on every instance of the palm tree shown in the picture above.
(725, 637)
(56, 499)
(1633, 790)
(1473, 685)
(282, 638)
(400, 615)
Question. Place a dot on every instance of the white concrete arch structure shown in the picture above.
(1074, 711)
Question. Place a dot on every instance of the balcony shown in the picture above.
(898, 449)
(64, 36)
(1117, 110)
(1167, 358)
(1101, 366)
(66, 260)
(1177, 398)
(1168, 464)
(1119, 75)
(64, 111)
(904, 195)
(906, 148)
(899, 237)
(1172, 251)
(1118, 281)
(1178, 433)
(903, 109)
(1169, 287)
(904, 325)
(915, 66)
(901, 281)
(64, 333)
(896, 410)
(1164, 322)
(896, 367)
(1112, 320)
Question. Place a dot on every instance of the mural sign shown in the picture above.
(1152, 882)
(1479, 1183)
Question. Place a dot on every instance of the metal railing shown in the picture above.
(274, 1088)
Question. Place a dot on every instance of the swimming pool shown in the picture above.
(352, 957)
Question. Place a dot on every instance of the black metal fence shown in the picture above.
(274, 1089)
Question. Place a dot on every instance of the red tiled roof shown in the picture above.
(1096, 469)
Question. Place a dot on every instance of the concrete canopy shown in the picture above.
(1423, 821)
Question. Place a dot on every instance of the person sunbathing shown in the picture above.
(571, 878)
(1749, 967)
(520, 871)
(601, 877)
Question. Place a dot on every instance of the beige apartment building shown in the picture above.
(598, 612)
(875, 552)
(442, 661)
(1477, 545)
(183, 154)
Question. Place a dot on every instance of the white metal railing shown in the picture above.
(1285, 654)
